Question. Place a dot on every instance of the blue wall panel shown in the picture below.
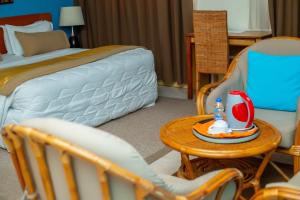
(23, 7)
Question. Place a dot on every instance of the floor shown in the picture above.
(141, 128)
(9, 186)
(172, 92)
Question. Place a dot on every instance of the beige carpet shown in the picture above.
(140, 128)
(9, 186)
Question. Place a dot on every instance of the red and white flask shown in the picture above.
(239, 110)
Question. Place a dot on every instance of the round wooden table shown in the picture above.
(178, 135)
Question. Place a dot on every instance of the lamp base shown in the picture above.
(74, 41)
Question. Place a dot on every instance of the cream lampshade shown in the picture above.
(71, 16)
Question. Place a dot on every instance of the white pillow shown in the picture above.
(39, 26)
(6, 40)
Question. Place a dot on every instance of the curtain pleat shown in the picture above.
(285, 17)
(159, 25)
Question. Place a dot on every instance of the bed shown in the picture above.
(90, 94)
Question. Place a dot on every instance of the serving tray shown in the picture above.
(200, 130)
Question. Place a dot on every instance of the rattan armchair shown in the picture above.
(211, 43)
(277, 193)
(288, 123)
(55, 159)
(284, 191)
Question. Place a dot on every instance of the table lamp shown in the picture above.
(71, 16)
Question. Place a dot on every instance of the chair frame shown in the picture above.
(279, 193)
(14, 135)
(294, 150)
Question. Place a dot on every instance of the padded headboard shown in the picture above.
(21, 20)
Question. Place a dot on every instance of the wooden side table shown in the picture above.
(243, 39)
(178, 135)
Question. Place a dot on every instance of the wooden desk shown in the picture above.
(245, 39)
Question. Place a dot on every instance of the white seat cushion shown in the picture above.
(182, 186)
(293, 183)
(285, 122)
(295, 180)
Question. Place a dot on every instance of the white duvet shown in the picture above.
(90, 94)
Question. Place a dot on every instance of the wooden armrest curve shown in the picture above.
(201, 95)
(277, 193)
(218, 181)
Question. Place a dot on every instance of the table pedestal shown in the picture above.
(191, 169)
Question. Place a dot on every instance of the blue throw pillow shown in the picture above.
(273, 81)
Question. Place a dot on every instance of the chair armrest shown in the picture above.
(278, 192)
(204, 91)
(281, 190)
(234, 82)
(218, 182)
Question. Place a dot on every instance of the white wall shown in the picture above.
(242, 14)
(259, 15)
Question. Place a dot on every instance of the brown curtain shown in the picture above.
(159, 25)
(285, 17)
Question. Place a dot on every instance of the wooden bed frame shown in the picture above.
(21, 20)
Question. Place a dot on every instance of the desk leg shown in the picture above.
(188, 48)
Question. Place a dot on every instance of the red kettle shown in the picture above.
(239, 110)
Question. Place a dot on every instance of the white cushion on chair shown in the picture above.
(285, 122)
(183, 186)
(170, 163)
(295, 180)
(293, 183)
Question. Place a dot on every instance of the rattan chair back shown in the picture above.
(16, 137)
(211, 41)
(30, 147)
